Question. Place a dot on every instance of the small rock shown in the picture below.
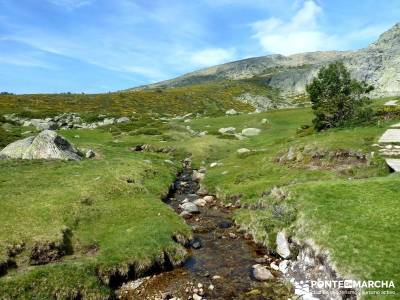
(240, 136)
(202, 170)
(215, 164)
(190, 207)
(282, 245)
(251, 131)
(274, 266)
(243, 151)
(216, 277)
(202, 191)
(203, 133)
(90, 154)
(264, 121)
(186, 215)
(197, 176)
(261, 273)
(231, 112)
(211, 287)
(200, 202)
(283, 266)
(291, 154)
(227, 130)
(196, 243)
(197, 297)
(208, 199)
(123, 120)
(232, 235)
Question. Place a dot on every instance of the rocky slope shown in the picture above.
(378, 64)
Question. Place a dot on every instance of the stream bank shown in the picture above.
(223, 261)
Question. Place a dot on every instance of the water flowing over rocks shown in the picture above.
(221, 263)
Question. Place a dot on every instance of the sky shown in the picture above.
(93, 46)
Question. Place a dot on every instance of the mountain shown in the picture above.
(378, 64)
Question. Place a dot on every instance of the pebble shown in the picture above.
(200, 202)
(208, 198)
(211, 287)
(196, 243)
(261, 273)
(232, 235)
(274, 266)
(216, 277)
(197, 297)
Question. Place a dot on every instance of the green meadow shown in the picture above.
(105, 217)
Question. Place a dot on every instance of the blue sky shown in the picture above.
(103, 45)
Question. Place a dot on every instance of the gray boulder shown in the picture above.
(190, 208)
(17, 148)
(261, 273)
(250, 131)
(46, 145)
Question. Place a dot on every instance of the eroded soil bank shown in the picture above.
(221, 256)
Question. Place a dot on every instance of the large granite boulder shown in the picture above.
(46, 145)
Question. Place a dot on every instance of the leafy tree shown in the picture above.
(337, 99)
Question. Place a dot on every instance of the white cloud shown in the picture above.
(299, 34)
(212, 56)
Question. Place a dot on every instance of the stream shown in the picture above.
(221, 256)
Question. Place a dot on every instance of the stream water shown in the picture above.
(220, 258)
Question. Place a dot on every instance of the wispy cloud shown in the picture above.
(212, 56)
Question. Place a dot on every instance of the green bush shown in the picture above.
(337, 99)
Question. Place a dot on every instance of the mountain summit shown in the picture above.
(378, 64)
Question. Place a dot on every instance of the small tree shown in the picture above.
(338, 100)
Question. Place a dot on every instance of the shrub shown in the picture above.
(337, 99)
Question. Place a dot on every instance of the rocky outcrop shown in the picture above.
(65, 121)
(262, 103)
(378, 65)
(46, 145)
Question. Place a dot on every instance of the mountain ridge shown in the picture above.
(378, 64)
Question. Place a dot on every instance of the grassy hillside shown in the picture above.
(71, 228)
(209, 98)
(348, 208)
